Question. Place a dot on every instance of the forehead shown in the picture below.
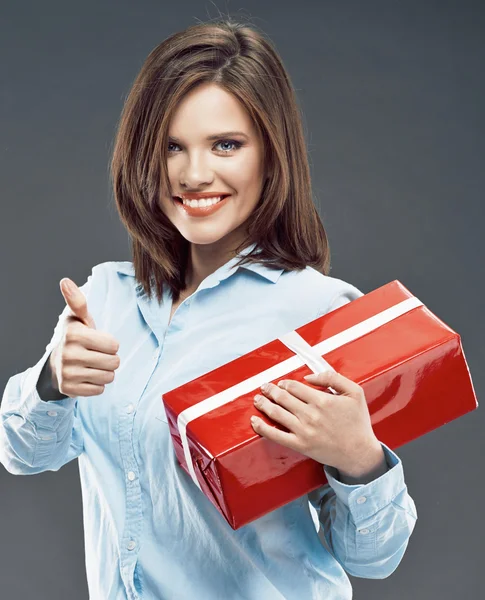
(210, 108)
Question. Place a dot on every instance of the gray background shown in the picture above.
(393, 97)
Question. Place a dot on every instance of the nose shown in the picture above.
(196, 174)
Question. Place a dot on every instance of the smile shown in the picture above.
(203, 207)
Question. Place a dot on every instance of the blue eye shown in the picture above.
(236, 145)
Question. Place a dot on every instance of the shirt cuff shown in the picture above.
(45, 415)
(364, 500)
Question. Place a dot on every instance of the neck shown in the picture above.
(204, 259)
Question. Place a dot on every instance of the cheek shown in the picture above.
(245, 174)
(168, 207)
(172, 176)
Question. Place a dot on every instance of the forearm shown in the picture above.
(33, 436)
(367, 526)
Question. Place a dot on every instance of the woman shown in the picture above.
(211, 114)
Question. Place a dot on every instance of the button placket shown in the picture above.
(131, 534)
(128, 438)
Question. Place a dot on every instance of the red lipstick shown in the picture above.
(201, 211)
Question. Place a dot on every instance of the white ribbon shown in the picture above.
(304, 355)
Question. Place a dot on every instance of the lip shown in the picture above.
(200, 195)
(200, 211)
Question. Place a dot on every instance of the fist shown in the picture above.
(85, 360)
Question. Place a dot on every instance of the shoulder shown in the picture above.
(319, 293)
(113, 269)
(110, 273)
(109, 282)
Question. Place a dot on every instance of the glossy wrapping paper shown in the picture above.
(413, 372)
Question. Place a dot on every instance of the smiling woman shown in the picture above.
(227, 123)
(211, 180)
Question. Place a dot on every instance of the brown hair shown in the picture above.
(285, 224)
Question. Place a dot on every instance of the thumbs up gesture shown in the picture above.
(85, 359)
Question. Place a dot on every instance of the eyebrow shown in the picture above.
(216, 136)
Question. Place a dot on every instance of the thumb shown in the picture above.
(76, 301)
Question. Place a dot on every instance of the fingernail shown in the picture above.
(68, 287)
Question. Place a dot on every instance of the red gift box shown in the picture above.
(409, 363)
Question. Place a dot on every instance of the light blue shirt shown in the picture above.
(150, 533)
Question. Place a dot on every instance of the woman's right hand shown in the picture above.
(85, 360)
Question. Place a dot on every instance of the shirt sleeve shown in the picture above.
(35, 435)
(365, 526)
(346, 293)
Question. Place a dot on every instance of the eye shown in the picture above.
(236, 145)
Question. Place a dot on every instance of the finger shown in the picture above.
(274, 434)
(304, 394)
(284, 397)
(332, 379)
(90, 339)
(76, 301)
(86, 375)
(277, 413)
(91, 359)
(81, 389)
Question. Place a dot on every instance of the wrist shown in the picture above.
(52, 371)
(47, 386)
(370, 464)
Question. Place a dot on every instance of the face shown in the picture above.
(229, 165)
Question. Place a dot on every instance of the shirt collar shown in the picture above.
(269, 273)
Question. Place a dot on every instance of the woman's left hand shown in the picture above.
(334, 430)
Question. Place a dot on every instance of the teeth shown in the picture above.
(203, 202)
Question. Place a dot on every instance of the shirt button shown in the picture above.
(361, 500)
(364, 531)
(155, 354)
(52, 413)
(131, 475)
(129, 408)
(45, 437)
(187, 302)
(131, 545)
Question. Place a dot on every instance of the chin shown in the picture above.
(201, 238)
